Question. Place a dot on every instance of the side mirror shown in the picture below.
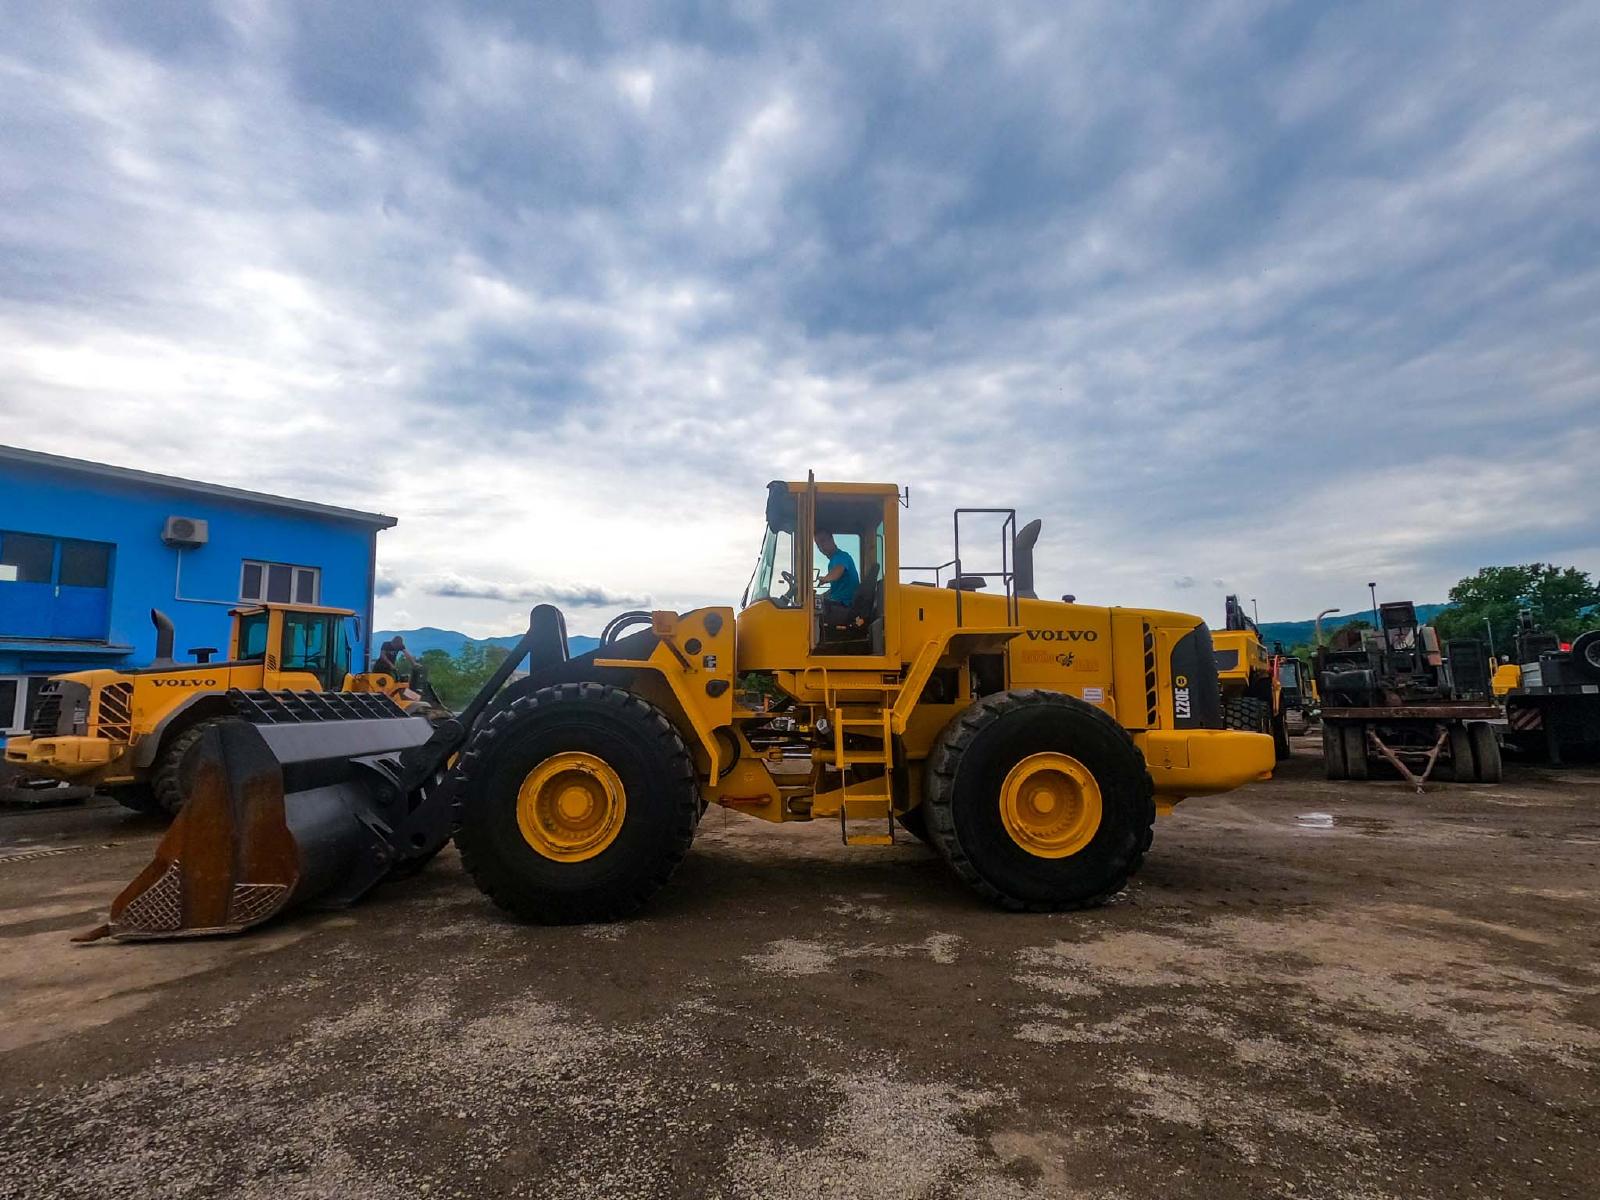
(781, 508)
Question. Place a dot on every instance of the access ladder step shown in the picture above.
(869, 839)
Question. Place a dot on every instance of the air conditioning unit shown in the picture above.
(185, 532)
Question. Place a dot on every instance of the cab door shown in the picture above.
(873, 542)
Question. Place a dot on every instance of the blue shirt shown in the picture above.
(843, 589)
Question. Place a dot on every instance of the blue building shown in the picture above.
(87, 550)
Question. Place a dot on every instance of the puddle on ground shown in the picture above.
(1371, 826)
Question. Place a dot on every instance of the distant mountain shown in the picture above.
(1297, 633)
(420, 641)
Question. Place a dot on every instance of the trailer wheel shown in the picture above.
(1280, 737)
(1247, 713)
(578, 802)
(1462, 762)
(1485, 752)
(1039, 801)
(1355, 750)
(1333, 761)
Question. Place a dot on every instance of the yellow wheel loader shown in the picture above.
(1030, 742)
(1252, 693)
(128, 731)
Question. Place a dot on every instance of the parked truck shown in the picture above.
(1400, 695)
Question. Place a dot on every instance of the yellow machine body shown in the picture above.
(1032, 742)
(109, 726)
(878, 706)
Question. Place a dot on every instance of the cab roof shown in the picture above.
(846, 489)
(245, 610)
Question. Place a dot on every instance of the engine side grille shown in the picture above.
(48, 715)
(115, 720)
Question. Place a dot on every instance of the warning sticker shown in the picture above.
(1094, 695)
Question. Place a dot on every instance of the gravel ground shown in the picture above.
(1404, 1004)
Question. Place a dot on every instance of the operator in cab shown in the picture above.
(842, 579)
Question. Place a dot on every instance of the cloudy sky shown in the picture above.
(1239, 296)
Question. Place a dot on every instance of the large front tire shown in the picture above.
(166, 775)
(1039, 801)
(578, 803)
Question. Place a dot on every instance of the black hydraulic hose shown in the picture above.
(617, 624)
(449, 735)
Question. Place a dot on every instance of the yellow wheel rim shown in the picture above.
(1050, 804)
(571, 806)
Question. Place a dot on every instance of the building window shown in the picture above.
(55, 588)
(13, 704)
(279, 583)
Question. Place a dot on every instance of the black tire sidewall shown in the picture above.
(1485, 752)
(974, 808)
(655, 777)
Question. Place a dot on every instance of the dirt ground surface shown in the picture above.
(1402, 1003)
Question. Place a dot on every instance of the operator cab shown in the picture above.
(315, 641)
(792, 570)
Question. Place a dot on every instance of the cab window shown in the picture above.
(253, 636)
(309, 641)
(775, 571)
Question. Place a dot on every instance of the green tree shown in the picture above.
(1556, 595)
(456, 679)
(1308, 650)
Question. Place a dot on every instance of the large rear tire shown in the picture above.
(1038, 801)
(1247, 713)
(577, 804)
(1333, 760)
(1485, 752)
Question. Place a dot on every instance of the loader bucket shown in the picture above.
(303, 804)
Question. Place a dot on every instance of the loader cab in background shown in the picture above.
(786, 614)
(303, 640)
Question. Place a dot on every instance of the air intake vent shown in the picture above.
(185, 532)
(1151, 696)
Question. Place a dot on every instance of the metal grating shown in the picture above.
(115, 719)
(252, 902)
(1151, 696)
(293, 708)
(157, 909)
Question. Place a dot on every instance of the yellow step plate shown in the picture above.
(868, 839)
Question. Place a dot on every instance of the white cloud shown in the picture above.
(1218, 304)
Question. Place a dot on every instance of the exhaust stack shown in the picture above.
(166, 637)
(1022, 558)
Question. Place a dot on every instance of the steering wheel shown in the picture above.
(787, 599)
